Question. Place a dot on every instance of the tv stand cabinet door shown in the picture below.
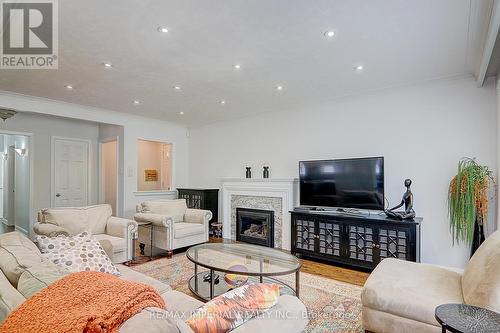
(361, 245)
(329, 238)
(396, 242)
(303, 234)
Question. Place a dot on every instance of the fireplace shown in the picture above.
(255, 226)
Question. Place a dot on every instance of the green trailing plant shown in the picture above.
(468, 199)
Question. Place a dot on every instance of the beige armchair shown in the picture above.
(401, 296)
(115, 234)
(174, 225)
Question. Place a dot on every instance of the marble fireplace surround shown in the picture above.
(277, 194)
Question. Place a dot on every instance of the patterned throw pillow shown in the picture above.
(77, 253)
(234, 308)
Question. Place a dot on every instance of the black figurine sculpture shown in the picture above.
(407, 200)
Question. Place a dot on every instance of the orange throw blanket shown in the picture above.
(82, 302)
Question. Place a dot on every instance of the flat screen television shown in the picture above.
(347, 183)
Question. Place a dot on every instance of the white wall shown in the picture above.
(134, 128)
(422, 131)
(43, 127)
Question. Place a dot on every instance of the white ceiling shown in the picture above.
(275, 41)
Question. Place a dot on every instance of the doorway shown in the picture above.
(15, 182)
(154, 165)
(108, 184)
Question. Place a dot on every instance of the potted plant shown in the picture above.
(468, 202)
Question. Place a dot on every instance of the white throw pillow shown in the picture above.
(77, 253)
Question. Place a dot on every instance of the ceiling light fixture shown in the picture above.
(330, 33)
(279, 88)
(136, 102)
(107, 65)
(69, 87)
(222, 102)
(181, 113)
(236, 66)
(358, 68)
(177, 88)
(162, 29)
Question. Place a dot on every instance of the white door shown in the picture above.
(70, 172)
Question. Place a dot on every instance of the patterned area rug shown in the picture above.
(332, 306)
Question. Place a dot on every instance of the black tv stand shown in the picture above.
(355, 240)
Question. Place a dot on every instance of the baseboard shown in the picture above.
(24, 231)
(5, 222)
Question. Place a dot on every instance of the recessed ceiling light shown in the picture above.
(330, 33)
(136, 102)
(162, 29)
(279, 88)
(222, 102)
(69, 87)
(181, 113)
(236, 66)
(177, 87)
(107, 64)
(358, 68)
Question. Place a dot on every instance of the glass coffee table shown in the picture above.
(231, 265)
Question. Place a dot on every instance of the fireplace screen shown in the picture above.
(255, 226)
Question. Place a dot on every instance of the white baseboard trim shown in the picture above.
(24, 231)
(5, 222)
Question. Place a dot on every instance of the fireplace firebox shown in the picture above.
(255, 226)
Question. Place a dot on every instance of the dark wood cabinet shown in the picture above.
(202, 199)
(355, 240)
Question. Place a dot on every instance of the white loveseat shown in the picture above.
(174, 225)
(115, 234)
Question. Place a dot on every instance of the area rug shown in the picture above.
(332, 306)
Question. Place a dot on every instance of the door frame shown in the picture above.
(53, 164)
(101, 171)
(31, 156)
(11, 161)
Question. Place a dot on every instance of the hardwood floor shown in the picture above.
(334, 272)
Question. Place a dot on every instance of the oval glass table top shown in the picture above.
(465, 318)
(230, 257)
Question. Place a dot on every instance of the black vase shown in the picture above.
(248, 174)
(478, 238)
(265, 172)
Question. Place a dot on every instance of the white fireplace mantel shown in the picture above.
(284, 188)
